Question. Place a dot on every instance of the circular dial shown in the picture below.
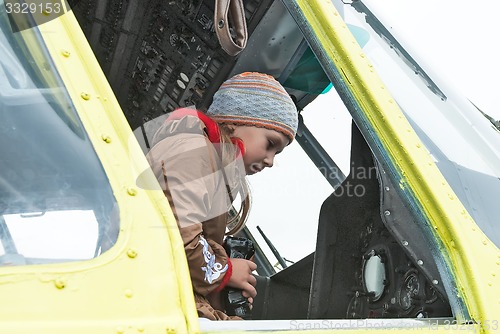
(409, 290)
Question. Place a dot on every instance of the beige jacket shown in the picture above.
(188, 168)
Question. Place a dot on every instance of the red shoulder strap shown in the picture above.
(212, 128)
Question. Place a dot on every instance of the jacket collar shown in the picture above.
(211, 127)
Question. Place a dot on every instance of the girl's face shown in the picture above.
(261, 145)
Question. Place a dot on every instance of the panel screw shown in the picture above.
(106, 138)
(85, 96)
(131, 191)
(132, 253)
(60, 283)
(129, 293)
(66, 53)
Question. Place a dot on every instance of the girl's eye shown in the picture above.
(270, 144)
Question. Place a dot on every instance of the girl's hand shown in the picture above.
(242, 277)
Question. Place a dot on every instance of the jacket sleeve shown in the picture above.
(188, 173)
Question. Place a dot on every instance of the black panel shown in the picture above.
(346, 220)
(159, 55)
(285, 294)
(350, 232)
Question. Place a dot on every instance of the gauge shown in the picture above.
(409, 290)
(374, 275)
(430, 294)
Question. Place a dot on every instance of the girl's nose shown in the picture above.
(269, 160)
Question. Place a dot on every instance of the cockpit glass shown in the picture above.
(463, 143)
(56, 203)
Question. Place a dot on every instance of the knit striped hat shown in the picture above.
(256, 99)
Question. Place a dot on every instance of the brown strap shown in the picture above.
(230, 15)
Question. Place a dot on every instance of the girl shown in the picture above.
(201, 161)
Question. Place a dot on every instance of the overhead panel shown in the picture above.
(159, 55)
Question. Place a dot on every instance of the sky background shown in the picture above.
(457, 39)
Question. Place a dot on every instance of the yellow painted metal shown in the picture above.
(474, 258)
(142, 284)
(144, 277)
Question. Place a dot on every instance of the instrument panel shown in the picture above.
(391, 286)
(159, 55)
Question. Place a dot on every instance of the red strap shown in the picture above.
(239, 143)
(227, 276)
(212, 128)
